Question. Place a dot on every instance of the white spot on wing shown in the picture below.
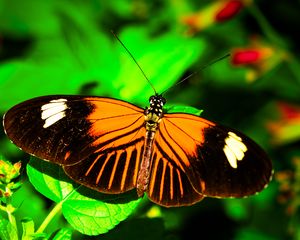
(234, 149)
(53, 111)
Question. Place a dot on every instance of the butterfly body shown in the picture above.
(113, 146)
(153, 116)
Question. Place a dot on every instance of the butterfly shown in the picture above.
(113, 146)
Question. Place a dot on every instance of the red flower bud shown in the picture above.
(215, 12)
(286, 127)
(246, 56)
(7, 194)
(288, 111)
(257, 58)
(229, 10)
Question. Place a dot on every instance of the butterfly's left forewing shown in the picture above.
(98, 141)
(50, 127)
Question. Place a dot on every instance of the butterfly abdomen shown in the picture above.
(143, 175)
(153, 116)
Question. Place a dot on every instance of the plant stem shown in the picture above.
(50, 216)
(275, 38)
(265, 26)
(9, 208)
(294, 66)
(11, 218)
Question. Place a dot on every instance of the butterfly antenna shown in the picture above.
(134, 60)
(196, 72)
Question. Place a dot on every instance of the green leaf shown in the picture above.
(84, 55)
(31, 204)
(63, 234)
(88, 211)
(92, 217)
(222, 74)
(28, 228)
(30, 17)
(7, 231)
(123, 8)
(49, 180)
(237, 208)
(183, 109)
(59, 68)
(163, 59)
(249, 234)
(78, 54)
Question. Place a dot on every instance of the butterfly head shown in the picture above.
(156, 105)
(154, 112)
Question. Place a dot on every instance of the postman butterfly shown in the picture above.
(113, 146)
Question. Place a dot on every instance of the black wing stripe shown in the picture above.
(171, 169)
(117, 102)
(180, 129)
(96, 138)
(92, 165)
(104, 145)
(178, 177)
(107, 154)
(130, 155)
(110, 172)
(169, 186)
(163, 179)
(181, 189)
(118, 129)
(116, 137)
(113, 117)
(113, 172)
(106, 158)
(169, 136)
(152, 179)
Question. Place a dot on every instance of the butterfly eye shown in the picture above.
(163, 100)
(152, 99)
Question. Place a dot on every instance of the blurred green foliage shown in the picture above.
(66, 47)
